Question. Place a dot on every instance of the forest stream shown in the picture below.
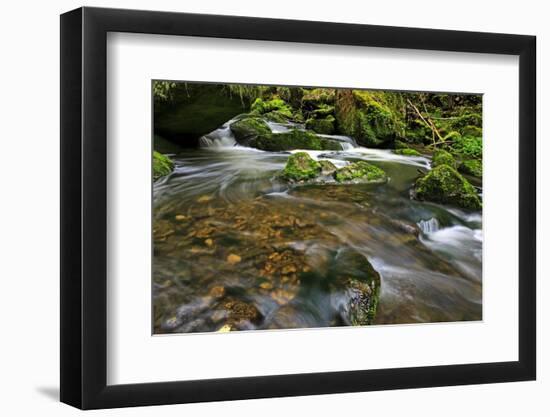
(236, 247)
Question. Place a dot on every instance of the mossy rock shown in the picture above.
(324, 126)
(277, 117)
(472, 167)
(317, 97)
(445, 185)
(357, 289)
(262, 107)
(301, 167)
(442, 157)
(323, 111)
(407, 152)
(162, 165)
(400, 145)
(361, 172)
(367, 117)
(327, 167)
(294, 139)
(248, 128)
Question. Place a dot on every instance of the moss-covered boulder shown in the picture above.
(248, 128)
(301, 167)
(317, 97)
(360, 172)
(277, 117)
(327, 167)
(162, 165)
(367, 116)
(260, 106)
(324, 126)
(442, 157)
(407, 152)
(398, 144)
(445, 185)
(294, 139)
(472, 167)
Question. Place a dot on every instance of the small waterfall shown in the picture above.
(219, 138)
(428, 226)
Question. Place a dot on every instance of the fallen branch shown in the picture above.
(428, 123)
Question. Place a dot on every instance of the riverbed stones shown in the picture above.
(445, 185)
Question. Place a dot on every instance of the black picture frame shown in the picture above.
(84, 207)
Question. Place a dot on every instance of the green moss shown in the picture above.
(400, 145)
(327, 167)
(407, 152)
(324, 126)
(361, 287)
(322, 111)
(260, 106)
(277, 116)
(442, 157)
(318, 96)
(445, 185)
(368, 116)
(294, 139)
(300, 167)
(472, 167)
(472, 131)
(162, 165)
(360, 171)
(248, 128)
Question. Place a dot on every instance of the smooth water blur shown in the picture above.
(232, 242)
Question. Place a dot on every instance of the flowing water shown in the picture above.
(236, 247)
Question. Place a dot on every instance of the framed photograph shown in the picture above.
(256, 208)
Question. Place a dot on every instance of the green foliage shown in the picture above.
(445, 185)
(300, 167)
(162, 165)
(294, 139)
(360, 171)
(407, 152)
(472, 167)
(162, 90)
(470, 146)
(441, 157)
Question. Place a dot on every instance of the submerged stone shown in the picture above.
(359, 284)
(294, 139)
(300, 167)
(445, 185)
(360, 172)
